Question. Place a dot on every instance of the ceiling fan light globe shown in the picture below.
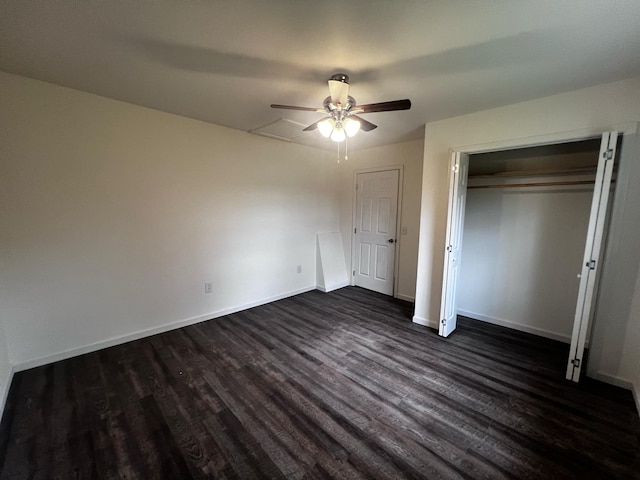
(338, 135)
(351, 126)
(325, 127)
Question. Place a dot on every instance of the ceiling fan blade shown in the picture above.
(292, 107)
(365, 125)
(313, 126)
(384, 106)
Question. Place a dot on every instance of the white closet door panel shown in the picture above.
(458, 173)
(591, 259)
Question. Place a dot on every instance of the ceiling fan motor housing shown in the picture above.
(338, 109)
(339, 89)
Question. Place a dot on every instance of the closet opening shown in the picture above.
(526, 219)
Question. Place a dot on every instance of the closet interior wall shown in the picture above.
(527, 213)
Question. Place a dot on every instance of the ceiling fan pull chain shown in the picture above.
(346, 149)
(338, 153)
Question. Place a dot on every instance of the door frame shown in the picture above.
(354, 203)
(541, 140)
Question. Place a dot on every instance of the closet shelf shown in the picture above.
(541, 172)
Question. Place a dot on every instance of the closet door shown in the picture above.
(591, 260)
(453, 243)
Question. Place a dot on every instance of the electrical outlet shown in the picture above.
(299, 270)
(208, 287)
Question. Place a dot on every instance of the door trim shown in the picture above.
(628, 128)
(622, 129)
(396, 263)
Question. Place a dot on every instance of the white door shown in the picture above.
(455, 222)
(375, 230)
(591, 260)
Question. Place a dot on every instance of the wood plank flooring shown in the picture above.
(338, 385)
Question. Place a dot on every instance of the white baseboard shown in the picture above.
(425, 322)
(5, 394)
(516, 326)
(152, 331)
(333, 287)
(613, 380)
(406, 298)
(620, 382)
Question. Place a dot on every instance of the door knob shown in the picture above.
(391, 240)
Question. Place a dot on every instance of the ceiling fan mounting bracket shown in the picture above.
(340, 77)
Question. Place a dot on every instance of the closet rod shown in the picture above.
(535, 184)
(529, 173)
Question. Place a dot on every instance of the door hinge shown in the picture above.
(355, 230)
(591, 264)
(608, 154)
(354, 273)
(456, 167)
(576, 363)
(356, 186)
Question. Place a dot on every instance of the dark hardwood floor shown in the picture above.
(338, 385)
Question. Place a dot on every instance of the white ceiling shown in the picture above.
(226, 61)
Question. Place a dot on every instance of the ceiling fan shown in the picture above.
(343, 120)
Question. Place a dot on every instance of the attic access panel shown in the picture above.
(281, 129)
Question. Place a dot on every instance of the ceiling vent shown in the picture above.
(282, 129)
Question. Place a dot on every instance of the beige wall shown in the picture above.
(521, 251)
(609, 353)
(409, 155)
(579, 113)
(114, 216)
(631, 368)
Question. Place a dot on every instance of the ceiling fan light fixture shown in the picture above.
(351, 126)
(343, 112)
(326, 127)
